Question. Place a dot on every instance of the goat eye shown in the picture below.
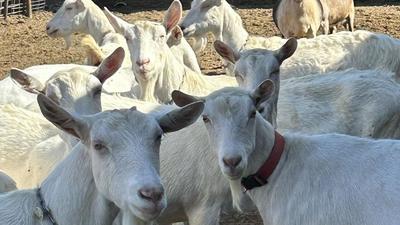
(162, 36)
(97, 92)
(98, 147)
(237, 76)
(261, 110)
(253, 114)
(206, 119)
(68, 8)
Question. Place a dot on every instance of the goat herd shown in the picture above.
(304, 149)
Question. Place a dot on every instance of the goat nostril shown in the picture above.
(151, 194)
(142, 62)
(232, 162)
(157, 196)
(47, 27)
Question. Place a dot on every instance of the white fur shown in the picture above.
(6, 183)
(11, 93)
(163, 73)
(21, 131)
(320, 179)
(362, 103)
(300, 18)
(196, 195)
(86, 17)
(90, 183)
(182, 50)
(360, 49)
(30, 161)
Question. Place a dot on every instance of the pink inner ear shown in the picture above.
(174, 15)
(111, 64)
(172, 21)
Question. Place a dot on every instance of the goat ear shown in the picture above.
(263, 92)
(61, 118)
(176, 36)
(80, 3)
(110, 65)
(173, 15)
(181, 99)
(226, 52)
(287, 50)
(181, 118)
(119, 25)
(26, 82)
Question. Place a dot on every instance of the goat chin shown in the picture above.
(128, 219)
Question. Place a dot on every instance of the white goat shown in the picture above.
(303, 18)
(158, 72)
(348, 102)
(343, 50)
(21, 130)
(318, 179)
(6, 183)
(11, 93)
(300, 18)
(197, 201)
(86, 17)
(107, 169)
(68, 89)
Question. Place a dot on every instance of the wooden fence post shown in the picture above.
(29, 8)
(5, 9)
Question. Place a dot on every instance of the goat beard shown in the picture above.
(68, 41)
(237, 194)
(129, 219)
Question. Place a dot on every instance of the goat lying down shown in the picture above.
(32, 160)
(362, 103)
(325, 53)
(192, 144)
(310, 176)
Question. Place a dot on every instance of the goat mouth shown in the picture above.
(52, 33)
(148, 213)
(233, 175)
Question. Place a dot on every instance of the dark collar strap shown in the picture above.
(46, 211)
(260, 178)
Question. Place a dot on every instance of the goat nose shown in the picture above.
(232, 162)
(153, 194)
(142, 62)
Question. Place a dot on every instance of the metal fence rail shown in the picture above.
(13, 7)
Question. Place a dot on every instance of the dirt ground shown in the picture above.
(24, 43)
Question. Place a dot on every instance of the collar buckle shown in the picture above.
(252, 181)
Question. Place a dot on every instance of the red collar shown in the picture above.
(260, 178)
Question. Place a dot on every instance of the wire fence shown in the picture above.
(14, 7)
